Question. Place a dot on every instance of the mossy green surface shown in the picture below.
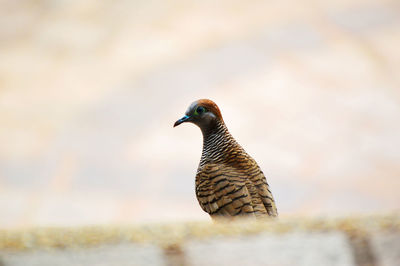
(169, 234)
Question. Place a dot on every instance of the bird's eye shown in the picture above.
(199, 110)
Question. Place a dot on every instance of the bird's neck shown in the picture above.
(217, 143)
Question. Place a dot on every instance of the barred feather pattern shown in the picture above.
(229, 182)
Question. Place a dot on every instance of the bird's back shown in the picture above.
(234, 186)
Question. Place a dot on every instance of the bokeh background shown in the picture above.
(89, 91)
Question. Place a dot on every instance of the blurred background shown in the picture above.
(89, 91)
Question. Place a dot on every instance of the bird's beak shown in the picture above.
(180, 121)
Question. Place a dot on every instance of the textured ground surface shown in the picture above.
(353, 241)
(89, 91)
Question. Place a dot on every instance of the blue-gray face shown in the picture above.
(196, 114)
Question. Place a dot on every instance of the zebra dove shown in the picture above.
(228, 181)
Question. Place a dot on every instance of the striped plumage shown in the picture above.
(228, 181)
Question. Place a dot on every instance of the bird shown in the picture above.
(229, 183)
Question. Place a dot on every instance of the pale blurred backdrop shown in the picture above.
(89, 91)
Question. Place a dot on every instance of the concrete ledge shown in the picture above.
(118, 254)
(330, 248)
(367, 240)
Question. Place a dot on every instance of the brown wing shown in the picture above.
(263, 200)
(262, 191)
(224, 190)
(221, 191)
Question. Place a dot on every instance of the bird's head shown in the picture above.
(203, 113)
